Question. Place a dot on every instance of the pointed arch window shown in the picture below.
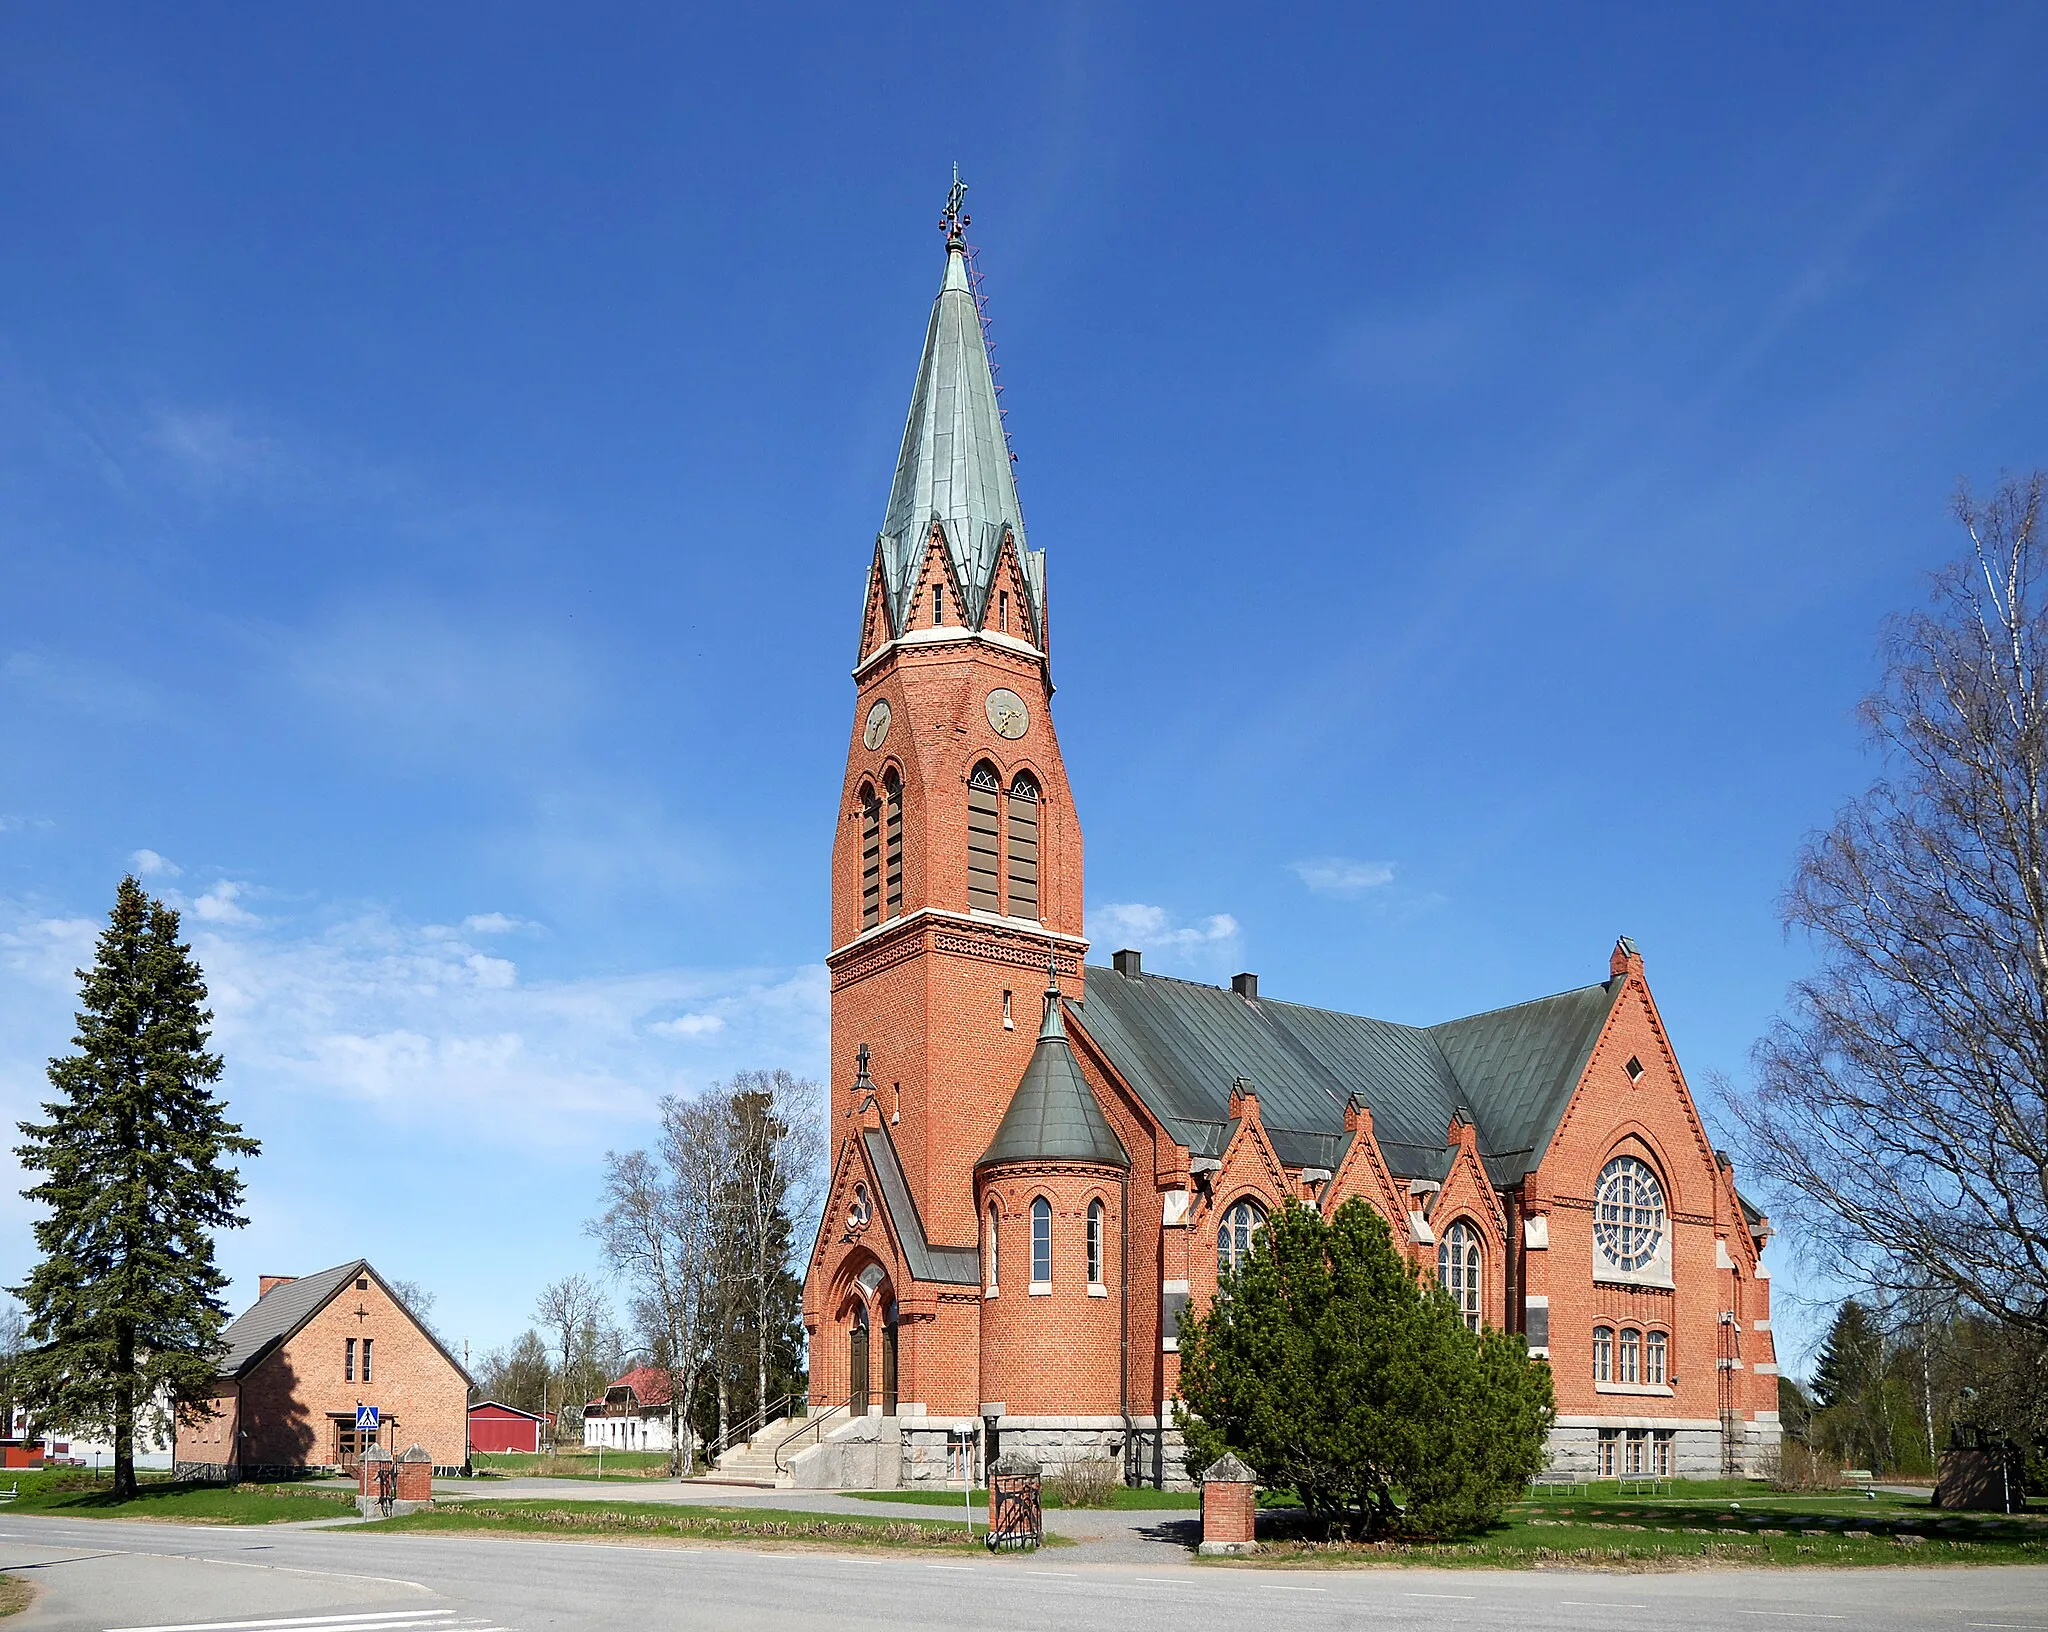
(1457, 1267)
(1041, 1242)
(1023, 846)
(1095, 1243)
(984, 838)
(870, 857)
(1234, 1236)
(994, 1276)
(892, 841)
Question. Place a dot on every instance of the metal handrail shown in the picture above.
(816, 1425)
(774, 1411)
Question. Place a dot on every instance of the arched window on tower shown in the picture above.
(1457, 1267)
(1041, 1242)
(1095, 1243)
(984, 838)
(1023, 847)
(892, 837)
(992, 1279)
(870, 858)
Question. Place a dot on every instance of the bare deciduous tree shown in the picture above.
(574, 1312)
(657, 1231)
(1902, 1106)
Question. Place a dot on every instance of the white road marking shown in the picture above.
(390, 1617)
(1271, 1587)
(1154, 1581)
(1597, 1603)
(950, 1566)
(2011, 1626)
(1796, 1614)
(1464, 1597)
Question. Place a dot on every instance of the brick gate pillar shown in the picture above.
(1228, 1510)
(416, 1477)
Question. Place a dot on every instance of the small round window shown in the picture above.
(1628, 1213)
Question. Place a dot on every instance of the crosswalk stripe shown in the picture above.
(340, 1623)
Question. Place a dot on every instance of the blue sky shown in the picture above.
(440, 454)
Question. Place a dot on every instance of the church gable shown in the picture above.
(877, 627)
(1008, 606)
(1363, 1173)
(938, 599)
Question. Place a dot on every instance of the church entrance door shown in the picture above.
(889, 1369)
(857, 1391)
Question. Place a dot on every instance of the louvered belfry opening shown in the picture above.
(892, 787)
(870, 859)
(1023, 847)
(984, 839)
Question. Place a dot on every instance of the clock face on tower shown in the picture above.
(876, 731)
(1007, 715)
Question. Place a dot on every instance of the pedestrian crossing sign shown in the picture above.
(366, 1419)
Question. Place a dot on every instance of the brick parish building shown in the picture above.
(1026, 1190)
(300, 1362)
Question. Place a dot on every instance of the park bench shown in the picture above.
(11, 1492)
(1643, 1485)
(1555, 1484)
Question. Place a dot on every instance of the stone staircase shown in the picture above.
(753, 1463)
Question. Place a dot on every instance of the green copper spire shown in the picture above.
(954, 469)
(1053, 1115)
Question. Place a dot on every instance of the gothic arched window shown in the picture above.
(1234, 1236)
(1023, 847)
(984, 838)
(1041, 1242)
(892, 846)
(1457, 1267)
(994, 1269)
(1094, 1243)
(870, 857)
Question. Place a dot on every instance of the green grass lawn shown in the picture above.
(1725, 1522)
(658, 1521)
(74, 1495)
(1126, 1499)
(575, 1465)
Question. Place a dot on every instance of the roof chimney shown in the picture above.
(1127, 962)
(1246, 986)
(267, 1284)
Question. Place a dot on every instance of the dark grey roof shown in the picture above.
(1181, 1046)
(954, 1266)
(279, 1313)
(1053, 1115)
(274, 1317)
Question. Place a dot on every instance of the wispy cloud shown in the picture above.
(1199, 943)
(1342, 875)
(418, 1027)
(149, 864)
(211, 449)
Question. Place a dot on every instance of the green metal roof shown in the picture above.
(954, 467)
(1181, 1046)
(1053, 1116)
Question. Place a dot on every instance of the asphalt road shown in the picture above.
(99, 1576)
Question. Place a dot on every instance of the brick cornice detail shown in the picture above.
(1004, 946)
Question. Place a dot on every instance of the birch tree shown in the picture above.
(1901, 1112)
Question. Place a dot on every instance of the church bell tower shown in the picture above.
(956, 865)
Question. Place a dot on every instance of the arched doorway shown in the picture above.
(857, 1362)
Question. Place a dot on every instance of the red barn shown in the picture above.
(495, 1427)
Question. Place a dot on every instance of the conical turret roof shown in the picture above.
(954, 468)
(1054, 1116)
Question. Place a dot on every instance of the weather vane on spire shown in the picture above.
(955, 221)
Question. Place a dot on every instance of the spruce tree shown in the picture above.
(1330, 1368)
(124, 1307)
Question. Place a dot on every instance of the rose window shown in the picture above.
(1628, 1213)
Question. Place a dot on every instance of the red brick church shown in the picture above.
(1028, 1186)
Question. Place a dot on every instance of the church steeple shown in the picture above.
(953, 472)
